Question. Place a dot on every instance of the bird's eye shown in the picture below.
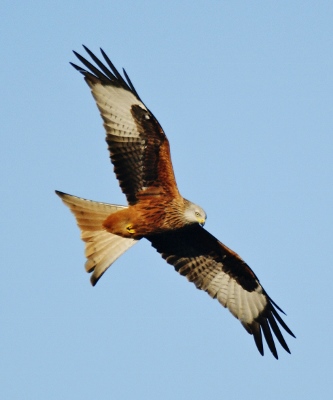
(197, 214)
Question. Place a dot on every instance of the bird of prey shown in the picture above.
(156, 211)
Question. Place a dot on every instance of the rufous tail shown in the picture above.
(101, 247)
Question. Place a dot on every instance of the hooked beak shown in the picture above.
(202, 221)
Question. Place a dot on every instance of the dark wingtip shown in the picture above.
(59, 193)
(274, 304)
(78, 68)
(281, 322)
(94, 279)
(257, 336)
(76, 54)
(131, 84)
(104, 74)
(102, 51)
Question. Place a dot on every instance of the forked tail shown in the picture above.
(102, 248)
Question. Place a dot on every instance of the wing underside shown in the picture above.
(138, 147)
(214, 268)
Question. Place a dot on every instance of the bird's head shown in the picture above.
(194, 214)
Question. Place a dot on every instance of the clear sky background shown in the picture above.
(244, 92)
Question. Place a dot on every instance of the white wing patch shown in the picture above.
(114, 104)
(244, 305)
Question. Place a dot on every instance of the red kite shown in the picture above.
(140, 153)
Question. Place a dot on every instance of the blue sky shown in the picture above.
(244, 92)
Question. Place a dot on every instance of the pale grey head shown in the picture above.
(194, 214)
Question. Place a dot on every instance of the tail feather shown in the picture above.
(102, 248)
(92, 247)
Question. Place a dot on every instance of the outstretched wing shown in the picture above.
(139, 149)
(213, 267)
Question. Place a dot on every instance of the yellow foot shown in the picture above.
(130, 229)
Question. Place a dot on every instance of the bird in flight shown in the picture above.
(140, 153)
